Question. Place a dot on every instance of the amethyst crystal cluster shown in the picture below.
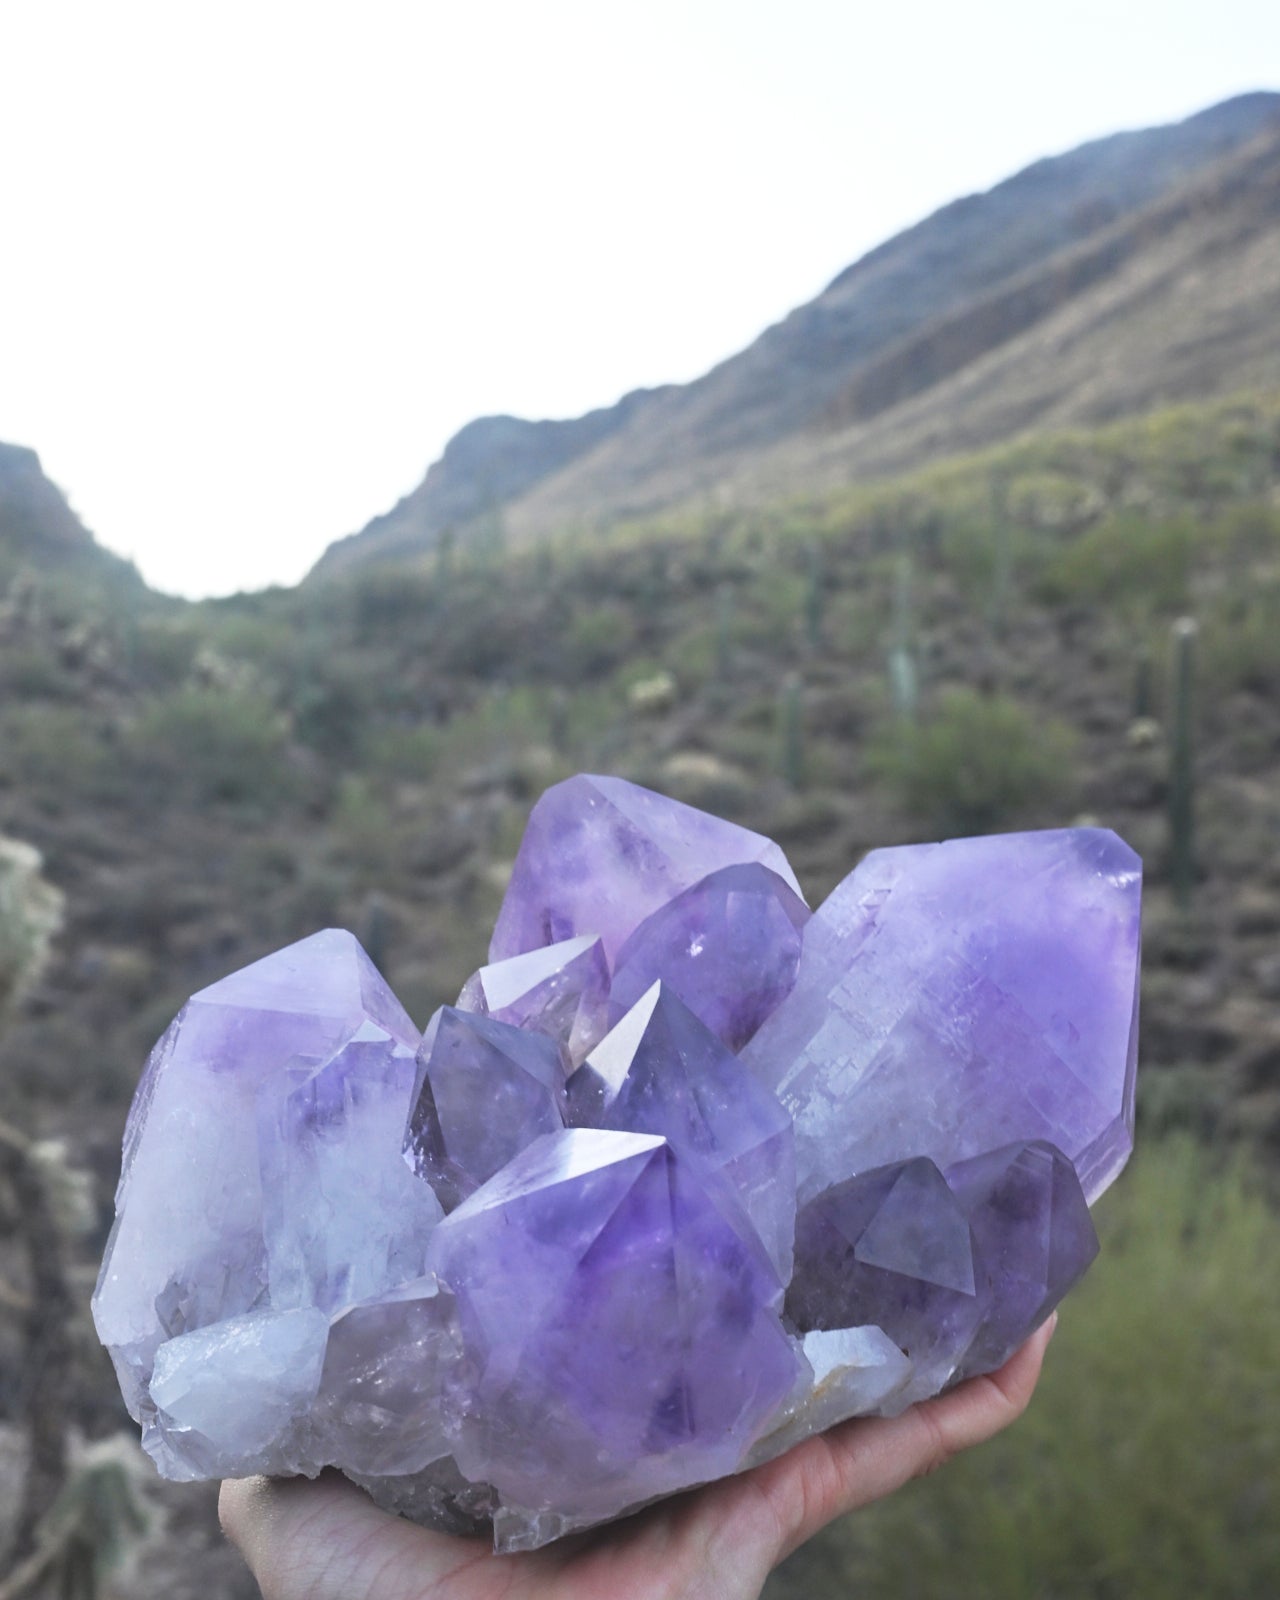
(686, 1175)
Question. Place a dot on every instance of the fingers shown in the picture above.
(327, 1541)
(868, 1458)
(982, 1407)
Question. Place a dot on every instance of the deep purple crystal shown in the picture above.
(958, 1269)
(662, 1071)
(729, 947)
(649, 1353)
(599, 1319)
(600, 855)
(954, 998)
(1033, 1241)
(893, 1248)
(484, 1090)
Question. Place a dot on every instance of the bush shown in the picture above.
(59, 755)
(1125, 559)
(1148, 1466)
(976, 764)
(216, 745)
(598, 640)
(1241, 639)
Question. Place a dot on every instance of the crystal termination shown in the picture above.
(687, 1175)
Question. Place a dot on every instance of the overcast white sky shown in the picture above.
(259, 260)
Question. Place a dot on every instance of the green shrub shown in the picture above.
(1241, 639)
(216, 745)
(58, 753)
(1125, 559)
(1148, 1467)
(976, 764)
(598, 640)
(411, 753)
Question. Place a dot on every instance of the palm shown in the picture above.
(327, 1541)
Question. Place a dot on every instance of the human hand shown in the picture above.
(327, 1540)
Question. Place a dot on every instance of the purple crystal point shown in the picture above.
(561, 990)
(484, 1090)
(955, 998)
(599, 855)
(662, 1071)
(938, 1065)
(200, 1231)
(729, 947)
(1033, 1237)
(619, 1316)
(892, 1247)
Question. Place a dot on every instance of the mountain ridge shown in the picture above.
(39, 529)
(781, 399)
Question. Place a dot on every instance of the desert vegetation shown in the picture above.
(986, 644)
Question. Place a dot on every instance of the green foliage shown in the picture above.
(1247, 532)
(161, 650)
(409, 752)
(1125, 559)
(599, 640)
(1148, 1467)
(1242, 637)
(217, 746)
(978, 763)
(791, 731)
(58, 752)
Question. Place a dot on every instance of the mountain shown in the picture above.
(486, 464)
(39, 530)
(1137, 268)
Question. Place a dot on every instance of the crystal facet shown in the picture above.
(661, 1071)
(600, 855)
(661, 1261)
(729, 947)
(892, 1247)
(1033, 1238)
(484, 1091)
(649, 1351)
(225, 1124)
(562, 991)
(953, 998)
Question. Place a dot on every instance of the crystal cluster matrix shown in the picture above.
(687, 1174)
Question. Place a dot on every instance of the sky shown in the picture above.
(259, 261)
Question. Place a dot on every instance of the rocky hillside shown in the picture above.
(489, 462)
(207, 783)
(40, 531)
(1170, 232)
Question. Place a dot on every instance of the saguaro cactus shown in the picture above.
(1182, 764)
(724, 632)
(1001, 555)
(814, 598)
(904, 685)
(791, 731)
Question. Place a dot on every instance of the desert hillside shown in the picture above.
(1134, 271)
